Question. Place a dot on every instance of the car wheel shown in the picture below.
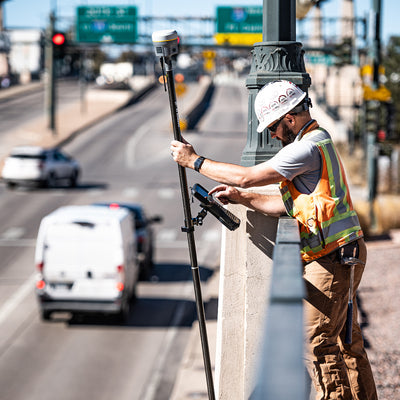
(51, 180)
(143, 271)
(74, 178)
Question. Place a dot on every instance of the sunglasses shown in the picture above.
(274, 127)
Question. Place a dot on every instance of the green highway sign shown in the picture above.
(106, 24)
(325, 59)
(240, 19)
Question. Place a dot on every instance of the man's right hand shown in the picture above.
(183, 153)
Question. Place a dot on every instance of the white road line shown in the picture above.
(167, 235)
(12, 303)
(172, 245)
(166, 193)
(95, 192)
(131, 145)
(211, 235)
(17, 242)
(13, 233)
(160, 366)
(130, 192)
(167, 238)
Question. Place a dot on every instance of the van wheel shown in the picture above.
(11, 185)
(45, 315)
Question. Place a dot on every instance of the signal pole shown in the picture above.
(372, 146)
(50, 76)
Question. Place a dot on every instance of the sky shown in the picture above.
(35, 13)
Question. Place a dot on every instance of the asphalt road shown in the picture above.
(125, 158)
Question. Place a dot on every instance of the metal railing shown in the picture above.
(281, 373)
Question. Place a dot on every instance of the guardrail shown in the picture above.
(281, 374)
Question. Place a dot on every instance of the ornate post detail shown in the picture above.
(272, 60)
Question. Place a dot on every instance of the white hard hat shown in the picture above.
(274, 100)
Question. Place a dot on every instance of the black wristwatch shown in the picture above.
(198, 163)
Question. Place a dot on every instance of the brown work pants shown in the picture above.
(338, 370)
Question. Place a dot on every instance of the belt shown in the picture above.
(344, 253)
(348, 251)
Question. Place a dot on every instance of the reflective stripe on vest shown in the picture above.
(326, 216)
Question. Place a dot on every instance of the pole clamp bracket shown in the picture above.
(187, 229)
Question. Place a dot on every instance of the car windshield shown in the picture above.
(139, 218)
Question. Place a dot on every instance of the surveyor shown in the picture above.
(314, 190)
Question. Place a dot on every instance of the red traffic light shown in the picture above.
(58, 39)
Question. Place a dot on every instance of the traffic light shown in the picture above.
(343, 52)
(59, 43)
(372, 116)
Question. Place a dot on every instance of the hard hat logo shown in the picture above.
(283, 99)
(275, 100)
(273, 106)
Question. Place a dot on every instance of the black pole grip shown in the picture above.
(349, 323)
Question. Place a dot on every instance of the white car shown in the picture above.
(44, 167)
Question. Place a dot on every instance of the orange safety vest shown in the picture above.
(326, 216)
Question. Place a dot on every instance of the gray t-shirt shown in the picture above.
(300, 162)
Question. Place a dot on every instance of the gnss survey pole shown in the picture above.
(166, 45)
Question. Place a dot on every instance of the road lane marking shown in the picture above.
(17, 242)
(167, 235)
(166, 345)
(211, 235)
(166, 193)
(95, 192)
(167, 238)
(13, 302)
(13, 233)
(130, 192)
(130, 151)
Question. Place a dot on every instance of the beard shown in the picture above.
(288, 136)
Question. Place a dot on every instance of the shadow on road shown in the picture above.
(153, 312)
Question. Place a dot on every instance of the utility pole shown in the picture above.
(372, 145)
(279, 56)
(1, 15)
(50, 76)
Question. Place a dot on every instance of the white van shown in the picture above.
(86, 261)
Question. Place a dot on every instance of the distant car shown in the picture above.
(39, 166)
(144, 234)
